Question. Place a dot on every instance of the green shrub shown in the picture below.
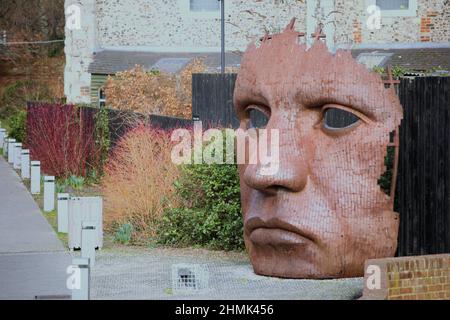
(124, 234)
(102, 137)
(17, 126)
(379, 70)
(75, 182)
(211, 212)
(398, 71)
(60, 186)
(385, 180)
(15, 96)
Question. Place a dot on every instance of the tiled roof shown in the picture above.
(111, 62)
(413, 59)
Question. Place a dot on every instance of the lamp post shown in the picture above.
(222, 49)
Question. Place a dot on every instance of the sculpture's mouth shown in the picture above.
(275, 232)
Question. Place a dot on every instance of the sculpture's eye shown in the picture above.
(337, 118)
(258, 116)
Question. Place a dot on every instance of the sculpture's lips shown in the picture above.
(265, 236)
(274, 232)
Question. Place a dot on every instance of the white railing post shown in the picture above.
(63, 212)
(25, 164)
(35, 177)
(80, 291)
(88, 241)
(17, 155)
(49, 193)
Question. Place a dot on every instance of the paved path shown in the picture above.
(143, 273)
(33, 261)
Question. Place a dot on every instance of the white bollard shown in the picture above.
(49, 193)
(17, 156)
(2, 136)
(85, 209)
(11, 143)
(35, 177)
(80, 287)
(88, 241)
(63, 212)
(5, 145)
(25, 164)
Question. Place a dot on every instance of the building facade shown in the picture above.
(193, 26)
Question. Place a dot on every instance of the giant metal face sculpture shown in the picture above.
(323, 213)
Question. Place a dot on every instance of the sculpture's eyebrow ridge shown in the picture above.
(361, 98)
(254, 96)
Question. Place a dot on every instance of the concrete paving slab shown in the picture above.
(24, 276)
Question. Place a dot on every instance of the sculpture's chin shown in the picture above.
(303, 260)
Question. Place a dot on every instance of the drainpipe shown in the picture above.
(222, 49)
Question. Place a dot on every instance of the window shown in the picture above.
(374, 59)
(393, 4)
(395, 8)
(204, 5)
(101, 98)
(200, 9)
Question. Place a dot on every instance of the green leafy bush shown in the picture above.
(398, 71)
(379, 70)
(15, 96)
(75, 182)
(385, 180)
(102, 136)
(124, 234)
(17, 126)
(72, 183)
(211, 212)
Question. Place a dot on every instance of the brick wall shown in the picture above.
(357, 34)
(433, 25)
(408, 278)
(426, 25)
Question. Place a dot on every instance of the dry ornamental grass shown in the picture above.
(138, 184)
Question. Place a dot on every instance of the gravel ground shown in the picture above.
(143, 273)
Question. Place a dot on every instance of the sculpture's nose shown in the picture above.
(292, 174)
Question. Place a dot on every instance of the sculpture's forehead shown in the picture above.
(283, 59)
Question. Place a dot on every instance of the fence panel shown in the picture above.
(120, 122)
(423, 192)
(169, 123)
(212, 99)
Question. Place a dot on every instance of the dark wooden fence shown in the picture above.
(212, 99)
(120, 122)
(423, 192)
(423, 187)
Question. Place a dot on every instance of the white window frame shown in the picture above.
(410, 12)
(100, 100)
(185, 8)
